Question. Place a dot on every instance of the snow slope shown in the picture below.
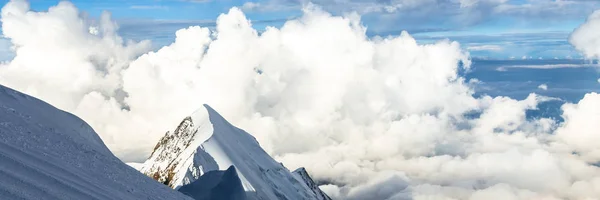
(302, 175)
(221, 185)
(204, 142)
(46, 153)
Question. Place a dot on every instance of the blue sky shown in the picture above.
(494, 29)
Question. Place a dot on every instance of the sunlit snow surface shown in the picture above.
(46, 153)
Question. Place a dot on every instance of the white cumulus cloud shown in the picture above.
(586, 37)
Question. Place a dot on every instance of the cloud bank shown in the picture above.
(586, 38)
(376, 118)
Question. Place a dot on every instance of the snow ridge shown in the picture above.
(302, 175)
(204, 142)
(46, 153)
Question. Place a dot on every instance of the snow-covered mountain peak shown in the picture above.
(205, 142)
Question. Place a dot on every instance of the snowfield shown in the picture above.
(46, 153)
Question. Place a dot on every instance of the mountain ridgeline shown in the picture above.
(46, 153)
(205, 144)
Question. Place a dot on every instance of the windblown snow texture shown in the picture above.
(205, 142)
(222, 185)
(46, 153)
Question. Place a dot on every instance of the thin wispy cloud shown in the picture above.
(548, 66)
(476, 7)
(485, 48)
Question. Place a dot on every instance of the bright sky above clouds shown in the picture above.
(499, 29)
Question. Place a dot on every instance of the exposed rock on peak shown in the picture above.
(167, 150)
